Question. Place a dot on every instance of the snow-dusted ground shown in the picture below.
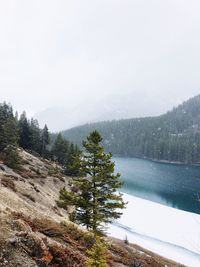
(170, 232)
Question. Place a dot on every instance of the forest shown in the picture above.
(173, 137)
(20, 132)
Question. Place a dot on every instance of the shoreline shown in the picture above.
(162, 161)
(173, 162)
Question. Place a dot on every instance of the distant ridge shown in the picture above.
(107, 108)
(173, 136)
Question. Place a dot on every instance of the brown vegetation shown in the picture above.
(8, 182)
(68, 246)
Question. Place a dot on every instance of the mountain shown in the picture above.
(104, 108)
(173, 136)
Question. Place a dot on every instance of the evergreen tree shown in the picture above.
(8, 136)
(11, 132)
(11, 157)
(2, 136)
(67, 154)
(73, 163)
(60, 150)
(6, 114)
(97, 201)
(45, 142)
(97, 254)
(35, 134)
(24, 132)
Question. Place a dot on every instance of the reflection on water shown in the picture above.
(176, 186)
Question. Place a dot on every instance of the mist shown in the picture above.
(132, 58)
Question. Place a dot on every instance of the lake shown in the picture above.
(177, 186)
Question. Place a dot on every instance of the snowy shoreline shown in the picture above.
(173, 162)
(162, 161)
(172, 233)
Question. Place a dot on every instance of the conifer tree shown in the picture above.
(45, 141)
(73, 163)
(35, 134)
(24, 132)
(60, 150)
(11, 157)
(97, 254)
(11, 132)
(8, 136)
(6, 114)
(97, 201)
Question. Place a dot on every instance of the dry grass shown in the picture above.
(29, 196)
(67, 250)
(73, 244)
(8, 182)
(66, 257)
(67, 233)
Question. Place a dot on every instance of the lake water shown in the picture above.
(176, 186)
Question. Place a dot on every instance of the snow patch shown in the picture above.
(172, 233)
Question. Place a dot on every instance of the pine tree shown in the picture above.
(97, 201)
(9, 136)
(67, 154)
(6, 114)
(97, 254)
(73, 163)
(45, 141)
(24, 132)
(60, 150)
(11, 157)
(35, 134)
(11, 132)
(2, 136)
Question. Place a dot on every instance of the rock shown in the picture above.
(13, 240)
(34, 245)
(22, 226)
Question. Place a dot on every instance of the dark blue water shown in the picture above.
(176, 186)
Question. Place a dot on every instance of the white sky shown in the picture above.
(58, 53)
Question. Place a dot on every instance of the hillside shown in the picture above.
(113, 107)
(35, 232)
(174, 136)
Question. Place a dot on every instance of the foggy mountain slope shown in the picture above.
(174, 136)
(105, 108)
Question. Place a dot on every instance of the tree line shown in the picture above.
(174, 136)
(20, 132)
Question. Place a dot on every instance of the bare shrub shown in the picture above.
(8, 182)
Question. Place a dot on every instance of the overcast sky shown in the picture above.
(59, 53)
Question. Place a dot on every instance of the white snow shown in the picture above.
(172, 233)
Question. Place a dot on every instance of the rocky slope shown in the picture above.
(35, 232)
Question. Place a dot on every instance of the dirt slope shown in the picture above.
(35, 232)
